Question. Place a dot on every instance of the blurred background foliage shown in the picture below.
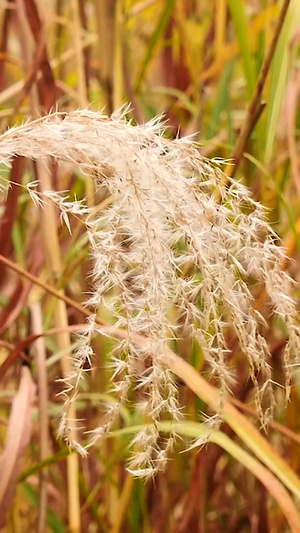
(198, 62)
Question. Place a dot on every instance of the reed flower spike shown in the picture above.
(177, 236)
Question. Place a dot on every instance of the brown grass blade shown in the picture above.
(30, 78)
(18, 437)
(3, 45)
(48, 92)
(16, 304)
(10, 211)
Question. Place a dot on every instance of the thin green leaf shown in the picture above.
(239, 19)
(154, 40)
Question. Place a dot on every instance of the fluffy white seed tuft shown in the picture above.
(165, 242)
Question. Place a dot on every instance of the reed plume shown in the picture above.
(176, 237)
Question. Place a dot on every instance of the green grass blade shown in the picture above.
(271, 483)
(279, 73)
(221, 100)
(239, 19)
(154, 40)
(53, 522)
(238, 422)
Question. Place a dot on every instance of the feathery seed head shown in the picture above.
(165, 242)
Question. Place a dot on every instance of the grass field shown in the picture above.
(183, 385)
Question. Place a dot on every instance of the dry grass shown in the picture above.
(185, 271)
